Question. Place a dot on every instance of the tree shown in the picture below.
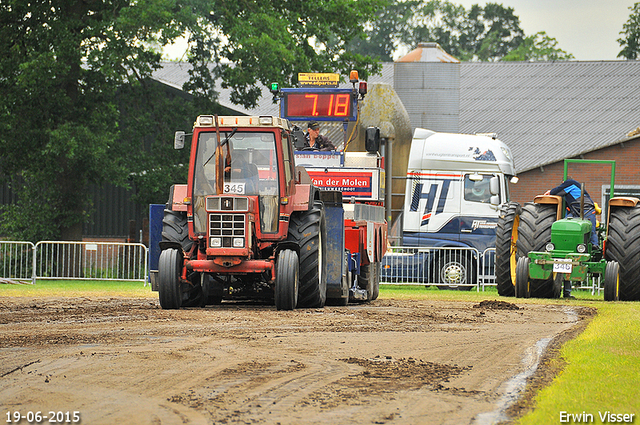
(480, 33)
(78, 107)
(630, 42)
(538, 47)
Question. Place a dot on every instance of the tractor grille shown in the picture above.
(227, 227)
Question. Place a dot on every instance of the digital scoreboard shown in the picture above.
(322, 104)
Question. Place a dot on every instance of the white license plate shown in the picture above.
(562, 267)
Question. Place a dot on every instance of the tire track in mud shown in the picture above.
(263, 390)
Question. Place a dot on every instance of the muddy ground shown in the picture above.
(126, 361)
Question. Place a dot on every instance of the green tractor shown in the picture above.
(537, 250)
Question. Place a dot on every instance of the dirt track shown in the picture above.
(122, 360)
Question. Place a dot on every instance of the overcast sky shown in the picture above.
(588, 29)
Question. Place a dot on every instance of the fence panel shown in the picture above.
(90, 260)
(487, 271)
(433, 266)
(16, 261)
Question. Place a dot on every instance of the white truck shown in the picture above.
(455, 183)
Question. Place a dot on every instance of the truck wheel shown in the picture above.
(308, 230)
(612, 281)
(522, 278)
(454, 269)
(175, 229)
(622, 246)
(534, 232)
(506, 251)
(370, 280)
(287, 268)
(169, 269)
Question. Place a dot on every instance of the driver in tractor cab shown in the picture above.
(570, 190)
(237, 169)
(313, 139)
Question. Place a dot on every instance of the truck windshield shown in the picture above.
(250, 168)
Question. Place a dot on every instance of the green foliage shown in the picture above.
(480, 33)
(538, 47)
(78, 106)
(630, 42)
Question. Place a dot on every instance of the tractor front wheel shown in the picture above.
(612, 281)
(523, 290)
(169, 269)
(287, 269)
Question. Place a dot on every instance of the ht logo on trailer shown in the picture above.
(436, 195)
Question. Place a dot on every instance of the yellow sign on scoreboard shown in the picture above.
(317, 79)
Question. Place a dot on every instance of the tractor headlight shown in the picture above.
(216, 242)
(581, 248)
(238, 242)
(550, 247)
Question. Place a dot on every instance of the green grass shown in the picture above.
(78, 288)
(602, 370)
(602, 364)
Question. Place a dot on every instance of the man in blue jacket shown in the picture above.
(570, 190)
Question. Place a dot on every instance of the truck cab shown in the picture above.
(455, 183)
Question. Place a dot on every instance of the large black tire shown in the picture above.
(287, 275)
(169, 268)
(612, 281)
(534, 232)
(523, 288)
(308, 229)
(622, 246)
(506, 248)
(175, 229)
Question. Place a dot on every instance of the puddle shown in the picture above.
(515, 385)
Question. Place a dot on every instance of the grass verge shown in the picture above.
(601, 372)
(78, 288)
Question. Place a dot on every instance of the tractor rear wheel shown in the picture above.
(506, 248)
(622, 246)
(169, 268)
(612, 281)
(175, 229)
(308, 229)
(522, 289)
(534, 232)
(287, 274)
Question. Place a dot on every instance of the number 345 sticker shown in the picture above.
(237, 188)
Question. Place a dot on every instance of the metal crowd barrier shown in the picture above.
(17, 261)
(429, 266)
(24, 261)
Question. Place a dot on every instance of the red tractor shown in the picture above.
(248, 223)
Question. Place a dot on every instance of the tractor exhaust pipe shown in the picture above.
(582, 201)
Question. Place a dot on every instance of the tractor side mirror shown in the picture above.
(372, 139)
(178, 140)
(494, 200)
